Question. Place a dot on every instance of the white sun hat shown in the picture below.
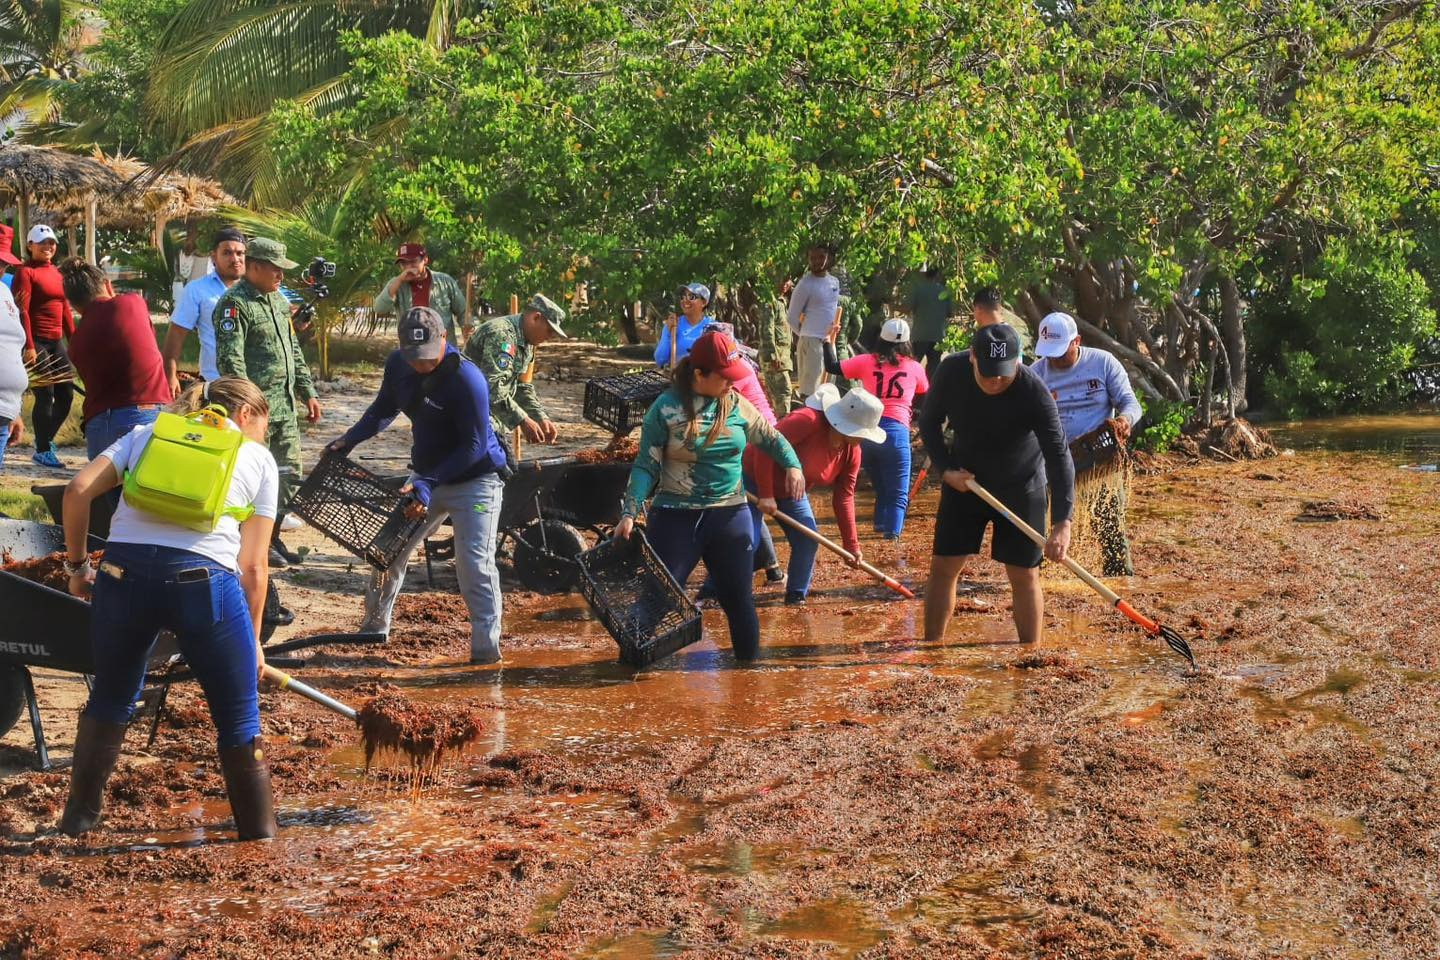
(895, 331)
(823, 397)
(857, 414)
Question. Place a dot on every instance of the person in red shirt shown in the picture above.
(115, 353)
(826, 435)
(48, 322)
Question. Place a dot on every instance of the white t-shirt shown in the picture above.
(256, 481)
(14, 381)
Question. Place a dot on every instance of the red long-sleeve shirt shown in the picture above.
(115, 354)
(837, 467)
(40, 295)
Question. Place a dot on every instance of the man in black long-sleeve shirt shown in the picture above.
(1007, 435)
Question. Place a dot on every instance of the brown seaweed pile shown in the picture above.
(48, 570)
(1338, 510)
(622, 447)
(423, 732)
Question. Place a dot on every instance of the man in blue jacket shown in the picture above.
(456, 466)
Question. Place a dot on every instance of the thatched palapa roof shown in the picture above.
(145, 198)
(48, 174)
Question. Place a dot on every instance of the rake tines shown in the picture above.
(1177, 643)
(48, 371)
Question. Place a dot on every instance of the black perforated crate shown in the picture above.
(363, 513)
(637, 600)
(619, 403)
(1097, 451)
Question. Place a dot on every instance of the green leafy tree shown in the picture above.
(40, 55)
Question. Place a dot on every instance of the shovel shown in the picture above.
(834, 547)
(1172, 639)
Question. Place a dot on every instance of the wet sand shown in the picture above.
(856, 793)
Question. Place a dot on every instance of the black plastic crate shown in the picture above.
(362, 512)
(637, 600)
(1099, 450)
(619, 403)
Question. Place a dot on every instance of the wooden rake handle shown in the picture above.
(835, 548)
(1148, 625)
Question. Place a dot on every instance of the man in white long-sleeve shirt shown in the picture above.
(814, 309)
(1093, 393)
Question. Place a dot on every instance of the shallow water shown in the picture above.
(1408, 437)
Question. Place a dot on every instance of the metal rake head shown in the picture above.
(1177, 643)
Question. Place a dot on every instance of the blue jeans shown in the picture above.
(105, 428)
(888, 464)
(802, 549)
(722, 537)
(141, 590)
(4, 438)
(473, 507)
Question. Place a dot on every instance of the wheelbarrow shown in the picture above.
(548, 507)
(46, 628)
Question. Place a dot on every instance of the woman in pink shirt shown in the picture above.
(890, 374)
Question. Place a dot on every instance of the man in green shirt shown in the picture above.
(775, 341)
(416, 285)
(503, 348)
(254, 339)
(930, 307)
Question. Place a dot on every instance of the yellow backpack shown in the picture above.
(183, 474)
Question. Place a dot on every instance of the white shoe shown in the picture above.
(291, 522)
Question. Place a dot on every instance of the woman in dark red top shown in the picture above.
(48, 322)
(116, 355)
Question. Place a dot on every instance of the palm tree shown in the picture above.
(223, 64)
(40, 52)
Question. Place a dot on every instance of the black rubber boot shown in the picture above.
(247, 782)
(97, 747)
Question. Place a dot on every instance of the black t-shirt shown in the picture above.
(1010, 441)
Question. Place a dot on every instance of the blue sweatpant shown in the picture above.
(142, 589)
(722, 537)
(801, 569)
(888, 465)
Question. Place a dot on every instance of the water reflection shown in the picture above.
(1409, 437)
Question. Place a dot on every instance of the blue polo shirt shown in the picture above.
(451, 436)
(193, 312)
(686, 339)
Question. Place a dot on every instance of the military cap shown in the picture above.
(271, 251)
(553, 313)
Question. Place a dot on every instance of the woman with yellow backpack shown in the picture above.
(187, 553)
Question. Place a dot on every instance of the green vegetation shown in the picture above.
(21, 505)
(1206, 186)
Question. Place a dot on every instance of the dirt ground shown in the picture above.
(855, 793)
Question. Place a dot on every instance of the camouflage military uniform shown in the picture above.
(501, 352)
(775, 361)
(852, 322)
(254, 339)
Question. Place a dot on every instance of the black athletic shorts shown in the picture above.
(960, 524)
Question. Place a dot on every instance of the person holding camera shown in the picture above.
(503, 348)
(255, 340)
(416, 285)
(458, 471)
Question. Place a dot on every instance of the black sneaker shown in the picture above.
(794, 598)
(774, 574)
(277, 559)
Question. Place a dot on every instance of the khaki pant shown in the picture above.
(809, 365)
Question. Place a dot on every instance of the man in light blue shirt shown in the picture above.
(197, 305)
(1093, 394)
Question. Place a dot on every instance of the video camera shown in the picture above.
(314, 279)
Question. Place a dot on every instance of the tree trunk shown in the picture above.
(90, 240)
(1233, 327)
(628, 317)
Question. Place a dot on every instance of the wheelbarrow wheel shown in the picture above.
(545, 552)
(12, 697)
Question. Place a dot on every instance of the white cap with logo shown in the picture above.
(895, 331)
(40, 233)
(1057, 331)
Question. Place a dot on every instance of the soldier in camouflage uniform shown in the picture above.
(776, 363)
(503, 348)
(254, 340)
(852, 321)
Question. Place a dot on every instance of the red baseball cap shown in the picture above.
(7, 242)
(411, 251)
(717, 352)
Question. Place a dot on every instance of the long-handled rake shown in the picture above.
(49, 371)
(1172, 639)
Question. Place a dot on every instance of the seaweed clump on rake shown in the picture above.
(425, 734)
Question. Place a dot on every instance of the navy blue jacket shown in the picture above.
(452, 438)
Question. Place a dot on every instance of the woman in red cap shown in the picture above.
(692, 444)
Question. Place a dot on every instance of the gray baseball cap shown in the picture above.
(422, 334)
